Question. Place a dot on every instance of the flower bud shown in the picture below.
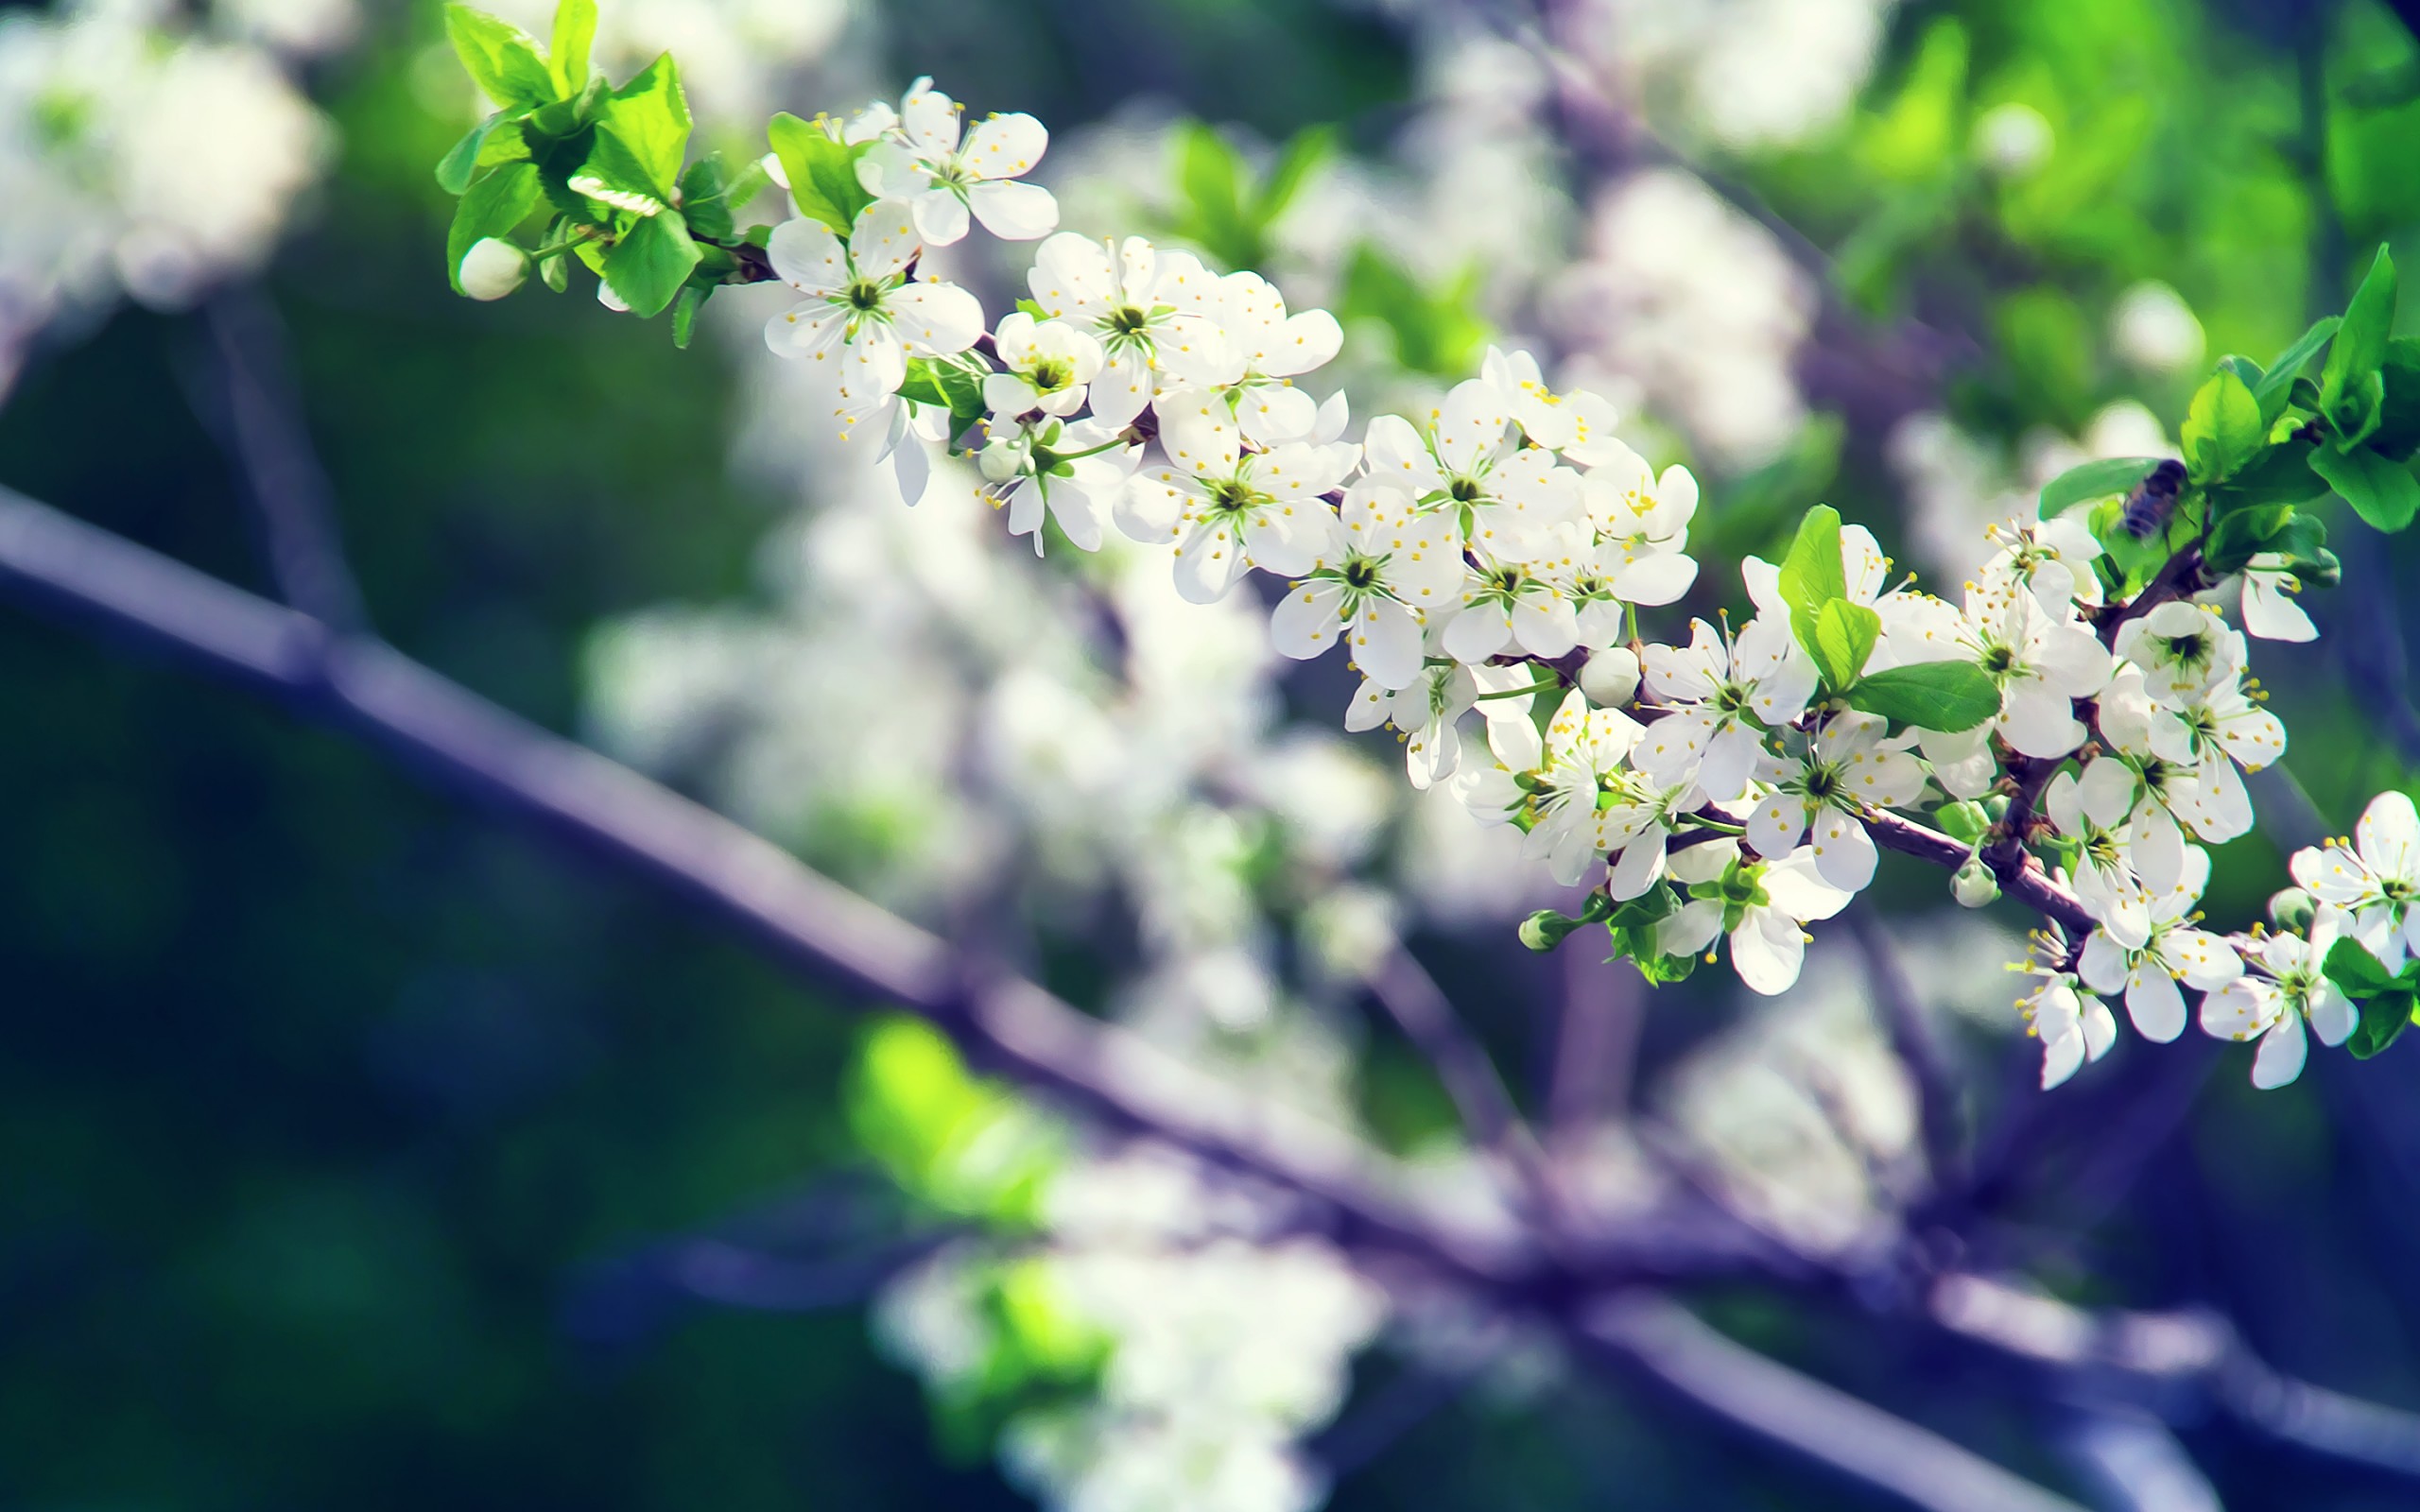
(1546, 929)
(492, 269)
(1001, 460)
(1609, 677)
(1975, 886)
(2291, 910)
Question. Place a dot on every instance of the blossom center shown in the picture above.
(863, 295)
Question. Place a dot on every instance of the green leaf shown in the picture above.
(1436, 331)
(1211, 176)
(651, 262)
(501, 58)
(1845, 634)
(2351, 967)
(567, 54)
(2360, 346)
(1944, 696)
(685, 312)
(463, 160)
(1810, 573)
(2382, 492)
(2383, 1020)
(822, 172)
(2276, 382)
(567, 118)
(650, 119)
(2398, 429)
(2243, 534)
(495, 202)
(2281, 476)
(2222, 430)
(2095, 480)
(1306, 152)
(705, 199)
(611, 175)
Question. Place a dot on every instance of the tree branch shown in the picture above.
(2028, 883)
(1656, 1341)
(828, 934)
(292, 499)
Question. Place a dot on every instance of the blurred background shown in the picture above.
(354, 1151)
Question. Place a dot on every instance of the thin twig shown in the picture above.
(292, 499)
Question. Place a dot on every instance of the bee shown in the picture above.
(2152, 501)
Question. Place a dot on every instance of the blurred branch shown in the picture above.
(836, 939)
(830, 935)
(1659, 1343)
(1419, 1007)
(1596, 1042)
(2136, 1465)
(1940, 1099)
(293, 504)
(2179, 1365)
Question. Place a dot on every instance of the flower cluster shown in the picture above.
(1486, 564)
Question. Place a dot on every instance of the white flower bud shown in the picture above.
(1609, 677)
(1001, 460)
(606, 296)
(1975, 886)
(494, 269)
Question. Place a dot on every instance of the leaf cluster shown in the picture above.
(608, 165)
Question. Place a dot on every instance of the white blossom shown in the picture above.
(1383, 567)
(1229, 509)
(1763, 907)
(862, 312)
(1722, 693)
(940, 179)
(2287, 987)
(2173, 952)
(1852, 763)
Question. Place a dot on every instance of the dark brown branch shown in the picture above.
(2030, 884)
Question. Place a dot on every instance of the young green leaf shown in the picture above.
(1212, 177)
(2243, 534)
(1944, 696)
(463, 160)
(567, 53)
(2360, 347)
(2383, 1020)
(686, 306)
(2222, 430)
(2382, 492)
(1306, 152)
(1845, 634)
(822, 172)
(1811, 573)
(2351, 967)
(2093, 480)
(651, 263)
(650, 118)
(493, 204)
(2277, 381)
(2398, 429)
(501, 58)
(1965, 822)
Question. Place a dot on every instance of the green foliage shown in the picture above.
(2222, 429)
(1227, 211)
(2091, 481)
(965, 1145)
(502, 60)
(2359, 350)
(493, 207)
(822, 171)
(1965, 821)
(1946, 695)
(2388, 1000)
(568, 50)
(1631, 927)
(2381, 490)
(1435, 331)
(1811, 574)
(1845, 635)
